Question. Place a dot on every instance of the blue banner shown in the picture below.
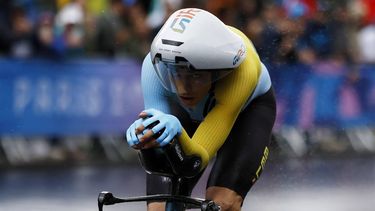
(103, 97)
(327, 94)
(49, 97)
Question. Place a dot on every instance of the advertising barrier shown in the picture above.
(77, 97)
(324, 95)
(42, 97)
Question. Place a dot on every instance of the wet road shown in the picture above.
(290, 185)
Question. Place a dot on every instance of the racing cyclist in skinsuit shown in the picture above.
(203, 82)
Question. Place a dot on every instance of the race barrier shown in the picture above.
(326, 94)
(43, 97)
(63, 98)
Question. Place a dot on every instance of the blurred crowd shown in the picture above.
(340, 33)
(283, 31)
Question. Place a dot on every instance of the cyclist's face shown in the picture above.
(191, 87)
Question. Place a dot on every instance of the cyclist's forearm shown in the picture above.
(192, 148)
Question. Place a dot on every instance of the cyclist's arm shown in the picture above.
(231, 94)
(154, 94)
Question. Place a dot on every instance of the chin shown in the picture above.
(189, 103)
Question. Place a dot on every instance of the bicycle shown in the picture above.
(172, 162)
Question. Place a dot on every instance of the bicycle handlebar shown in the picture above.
(170, 160)
(107, 198)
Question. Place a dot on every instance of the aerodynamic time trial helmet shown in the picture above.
(193, 41)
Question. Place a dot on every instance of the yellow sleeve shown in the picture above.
(231, 94)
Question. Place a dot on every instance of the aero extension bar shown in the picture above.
(107, 198)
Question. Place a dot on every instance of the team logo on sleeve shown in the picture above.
(183, 18)
(239, 54)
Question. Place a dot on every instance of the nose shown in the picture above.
(187, 84)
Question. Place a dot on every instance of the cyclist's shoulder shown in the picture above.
(242, 81)
(147, 66)
(147, 62)
(250, 49)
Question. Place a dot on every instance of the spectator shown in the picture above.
(248, 10)
(43, 37)
(368, 7)
(343, 28)
(5, 27)
(111, 29)
(70, 29)
(286, 31)
(271, 36)
(140, 43)
(286, 52)
(300, 8)
(159, 11)
(254, 29)
(21, 34)
(366, 41)
(122, 30)
(317, 35)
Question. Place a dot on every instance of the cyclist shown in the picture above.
(203, 82)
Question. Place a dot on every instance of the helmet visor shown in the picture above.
(171, 73)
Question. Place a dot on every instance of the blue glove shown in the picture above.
(169, 123)
(131, 137)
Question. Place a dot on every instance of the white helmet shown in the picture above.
(194, 40)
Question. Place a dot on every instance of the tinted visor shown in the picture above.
(169, 73)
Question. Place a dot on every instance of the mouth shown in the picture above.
(187, 99)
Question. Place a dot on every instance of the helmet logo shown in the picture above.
(239, 54)
(183, 17)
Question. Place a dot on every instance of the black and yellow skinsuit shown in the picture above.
(234, 122)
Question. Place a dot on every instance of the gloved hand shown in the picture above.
(131, 135)
(169, 123)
